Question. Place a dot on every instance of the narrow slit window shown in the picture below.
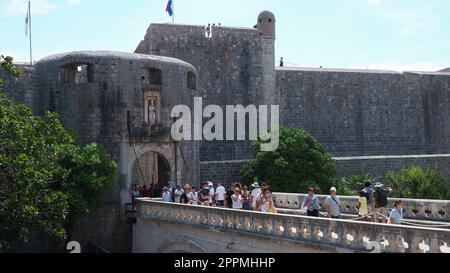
(191, 80)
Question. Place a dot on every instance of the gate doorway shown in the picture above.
(153, 171)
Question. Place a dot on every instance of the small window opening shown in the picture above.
(191, 80)
(78, 73)
(153, 76)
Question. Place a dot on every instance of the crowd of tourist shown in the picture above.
(258, 198)
(373, 199)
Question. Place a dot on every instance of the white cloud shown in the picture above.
(374, 3)
(19, 7)
(73, 2)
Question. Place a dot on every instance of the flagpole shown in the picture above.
(29, 22)
(173, 12)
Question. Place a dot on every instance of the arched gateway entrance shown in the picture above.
(152, 165)
(152, 170)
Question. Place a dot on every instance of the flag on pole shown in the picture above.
(27, 21)
(169, 8)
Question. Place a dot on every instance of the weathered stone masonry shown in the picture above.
(352, 112)
(368, 120)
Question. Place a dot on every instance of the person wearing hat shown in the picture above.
(333, 205)
(255, 195)
(211, 193)
(166, 195)
(381, 199)
(369, 193)
(204, 195)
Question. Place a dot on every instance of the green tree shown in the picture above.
(351, 186)
(300, 162)
(417, 183)
(6, 65)
(46, 180)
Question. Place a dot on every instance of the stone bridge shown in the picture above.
(175, 228)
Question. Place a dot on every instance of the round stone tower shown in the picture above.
(266, 24)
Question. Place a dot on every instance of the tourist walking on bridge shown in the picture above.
(265, 203)
(369, 194)
(212, 193)
(184, 199)
(204, 195)
(362, 206)
(166, 195)
(381, 199)
(256, 193)
(230, 192)
(178, 192)
(333, 205)
(396, 216)
(194, 196)
(220, 195)
(246, 198)
(311, 204)
(238, 201)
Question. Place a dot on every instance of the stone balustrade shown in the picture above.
(328, 233)
(428, 210)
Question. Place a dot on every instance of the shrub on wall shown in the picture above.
(417, 183)
(299, 162)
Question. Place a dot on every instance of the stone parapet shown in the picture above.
(415, 209)
(332, 234)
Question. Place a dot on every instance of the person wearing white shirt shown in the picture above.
(256, 193)
(238, 201)
(211, 194)
(220, 195)
(166, 195)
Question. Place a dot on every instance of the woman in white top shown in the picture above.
(238, 201)
(265, 201)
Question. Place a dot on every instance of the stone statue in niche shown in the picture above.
(152, 108)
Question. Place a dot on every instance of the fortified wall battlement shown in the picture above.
(368, 113)
(235, 66)
(353, 113)
(100, 95)
(356, 114)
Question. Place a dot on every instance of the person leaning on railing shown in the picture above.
(396, 216)
(311, 204)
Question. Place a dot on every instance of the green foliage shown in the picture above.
(417, 183)
(300, 162)
(6, 65)
(46, 180)
(351, 186)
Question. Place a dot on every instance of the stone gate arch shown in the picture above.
(165, 150)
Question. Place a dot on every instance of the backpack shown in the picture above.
(381, 198)
(367, 196)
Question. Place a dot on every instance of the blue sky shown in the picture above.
(376, 34)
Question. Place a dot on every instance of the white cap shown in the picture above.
(333, 189)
